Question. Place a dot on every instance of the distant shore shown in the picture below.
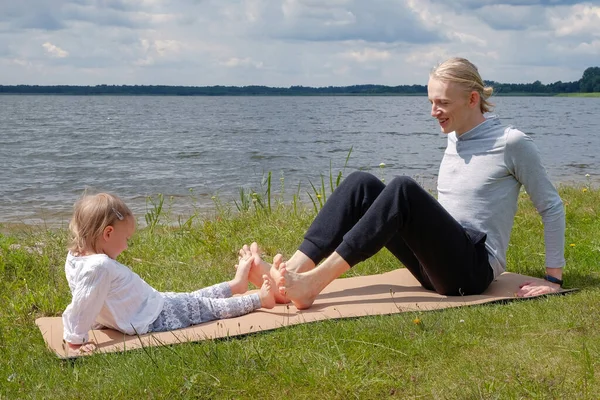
(500, 89)
(511, 94)
(596, 94)
(587, 84)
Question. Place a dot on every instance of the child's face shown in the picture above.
(115, 237)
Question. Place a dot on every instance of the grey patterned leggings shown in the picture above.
(214, 302)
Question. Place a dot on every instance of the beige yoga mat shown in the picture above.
(389, 293)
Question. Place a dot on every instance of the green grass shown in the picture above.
(542, 348)
(595, 94)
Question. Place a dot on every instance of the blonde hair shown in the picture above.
(465, 73)
(91, 215)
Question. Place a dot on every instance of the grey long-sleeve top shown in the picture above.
(479, 181)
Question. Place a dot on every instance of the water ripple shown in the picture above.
(54, 147)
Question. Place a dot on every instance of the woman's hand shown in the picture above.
(529, 289)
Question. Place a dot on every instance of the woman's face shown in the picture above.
(451, 105)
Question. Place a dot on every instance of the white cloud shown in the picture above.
(382, 21)
(425, 12)
(234, 62)
(331, 13)
(292, 42)
(167, 47)
(152, 51)
(427, 58)
(467, 38)
(343, 70)
(367, 55)
(580, 19)
(512, 17)
(22, 63)
(592, 48)
(54, 50)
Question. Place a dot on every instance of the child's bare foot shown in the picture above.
(81, 349)
(267, 293)
(260, 267)
(239, 284)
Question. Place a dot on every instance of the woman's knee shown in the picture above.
(405, 182)
(360, 178)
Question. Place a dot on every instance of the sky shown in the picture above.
(292, 42)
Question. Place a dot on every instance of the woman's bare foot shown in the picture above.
(267, 293)
(239, 284)
(302, 288)
(297, 287)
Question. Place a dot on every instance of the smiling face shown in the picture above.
(114, 238)
(456, 109)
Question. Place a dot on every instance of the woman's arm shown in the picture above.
(524, 160)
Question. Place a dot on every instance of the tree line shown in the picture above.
(589, 82)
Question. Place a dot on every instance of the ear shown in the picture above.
(474, 99)
(107, 232)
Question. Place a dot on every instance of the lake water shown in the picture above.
(54, 147)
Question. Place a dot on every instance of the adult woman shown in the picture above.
(455, 245)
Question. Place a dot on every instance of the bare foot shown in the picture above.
(81, 349)
(239, 284)
(298, 287)
(260, 267)
(267, 293)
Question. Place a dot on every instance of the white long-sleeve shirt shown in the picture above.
(108, 293)
(480, 177)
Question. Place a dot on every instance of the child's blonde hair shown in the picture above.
(91, 215)
(465, 73)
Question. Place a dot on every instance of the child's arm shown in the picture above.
(88, 299)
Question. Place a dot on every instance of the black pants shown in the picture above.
(363, 215)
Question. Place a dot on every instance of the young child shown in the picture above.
(107, 293)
